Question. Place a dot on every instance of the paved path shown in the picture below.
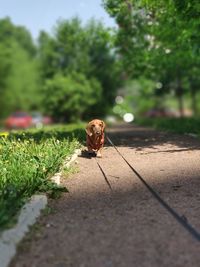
(93, 226)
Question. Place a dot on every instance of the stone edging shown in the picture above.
(67, 163)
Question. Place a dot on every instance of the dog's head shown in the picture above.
(95, 127)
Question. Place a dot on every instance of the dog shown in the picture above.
(95, 137)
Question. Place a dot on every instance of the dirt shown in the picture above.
(123, 226)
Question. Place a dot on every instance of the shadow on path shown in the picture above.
(139, 138)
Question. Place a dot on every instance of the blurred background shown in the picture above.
(65, 61)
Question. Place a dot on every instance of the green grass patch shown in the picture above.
(28, 160)
(176, 125)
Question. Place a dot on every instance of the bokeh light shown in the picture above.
(128, 117)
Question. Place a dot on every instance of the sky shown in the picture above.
(38, 15)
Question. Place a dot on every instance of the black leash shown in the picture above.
(181, 219)
(106, 179)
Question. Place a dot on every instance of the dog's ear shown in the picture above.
(88, 129)
(103, 125)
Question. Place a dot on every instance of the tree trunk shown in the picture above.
(194, 102)
(180, 98)
(181, 105)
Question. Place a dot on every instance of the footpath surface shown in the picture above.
(93, 226)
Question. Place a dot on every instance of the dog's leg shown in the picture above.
(99, 155)
(89, 147)
(99, 152)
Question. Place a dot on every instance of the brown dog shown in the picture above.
(95, 136)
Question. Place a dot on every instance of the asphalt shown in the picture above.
(123, 226)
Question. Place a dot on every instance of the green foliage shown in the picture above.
(72, 46)
(160, 40)
(77, 61)
(105, 66)
(48, 57)
(28, 160)
(23, 82)
(19, 83)
(131, 39)
(135, 94)
(87, 51)
(5, 66)
(10, 33)
(69, 97)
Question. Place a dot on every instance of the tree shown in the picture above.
(167, 42)
(23, 84)
(69, 97)
(9, 32)
(86, 50)
(104, 63)
(19, 85)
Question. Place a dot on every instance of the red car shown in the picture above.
(18, 120)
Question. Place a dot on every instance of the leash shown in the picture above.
(105, 177)
(180, 219)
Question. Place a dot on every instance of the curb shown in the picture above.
(67, 163)
(9, 239)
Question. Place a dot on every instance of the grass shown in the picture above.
(28, 160)
(176, 125)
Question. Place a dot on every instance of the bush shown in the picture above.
(69, 97)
